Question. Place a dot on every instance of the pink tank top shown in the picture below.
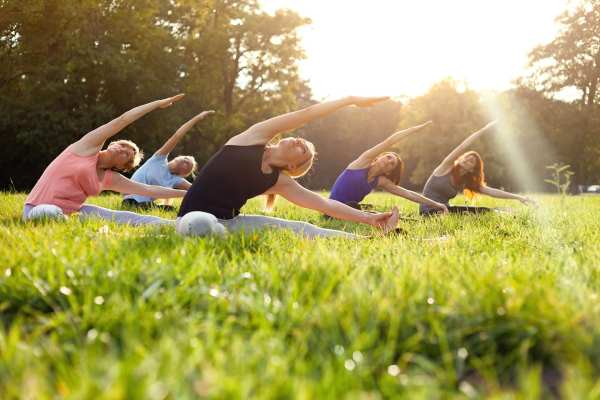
(68, 181)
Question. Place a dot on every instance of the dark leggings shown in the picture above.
(147, 205)
(458, 210)
(360, 206)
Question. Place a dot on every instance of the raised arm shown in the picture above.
(92, 142)
(501, 194)
(389, 186)
(121, 184)
(448, 162)
(263, 132)
(170, 144)
(294, 192)
(367, 157)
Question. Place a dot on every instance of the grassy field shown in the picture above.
(501, 305)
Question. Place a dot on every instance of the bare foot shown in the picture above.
(392, 222)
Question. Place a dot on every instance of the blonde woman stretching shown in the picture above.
(83, 169)
(247, 166)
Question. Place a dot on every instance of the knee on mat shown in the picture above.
(46, 211)
(198, 223)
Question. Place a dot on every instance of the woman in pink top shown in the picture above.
(83, 169)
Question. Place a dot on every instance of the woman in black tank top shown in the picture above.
(463, 171)
(247, 167)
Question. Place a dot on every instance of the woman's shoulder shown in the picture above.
(441, 170)
(358, 164)
(78, 149)
(244, 139)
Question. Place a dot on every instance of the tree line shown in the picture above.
(66, 68)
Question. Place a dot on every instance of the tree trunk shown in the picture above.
(594, 85)
(227, 90)
(584, 97)
(231, 70)
(592, 92)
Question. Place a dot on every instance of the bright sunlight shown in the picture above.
(403, 47)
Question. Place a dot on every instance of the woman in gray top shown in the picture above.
(462, 171)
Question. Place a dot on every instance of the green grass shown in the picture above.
(475, 306)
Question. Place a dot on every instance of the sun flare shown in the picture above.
(403, 47)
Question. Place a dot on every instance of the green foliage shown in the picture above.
(561, 177)
(538, 129)
(533, 131)
(69, 67)
(498, 305)
(548, 129)
(572, 59)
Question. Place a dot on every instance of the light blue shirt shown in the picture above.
(155, 171)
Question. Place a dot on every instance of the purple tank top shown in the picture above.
(352, 186)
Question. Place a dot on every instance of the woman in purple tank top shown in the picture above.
(378, 168)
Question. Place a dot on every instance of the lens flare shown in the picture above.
(514, 119)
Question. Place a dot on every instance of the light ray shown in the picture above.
(514, 119)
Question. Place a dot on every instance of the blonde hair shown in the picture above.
(296, 173)
(137, 156)
(191, 160)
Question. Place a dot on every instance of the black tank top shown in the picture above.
(224, 184)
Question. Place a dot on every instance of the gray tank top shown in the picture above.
(440, 189)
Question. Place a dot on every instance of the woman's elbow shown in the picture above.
(146, 190)
(329, 207)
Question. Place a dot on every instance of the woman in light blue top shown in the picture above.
(157, 170)
(378, 168)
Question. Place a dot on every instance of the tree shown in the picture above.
(553, 131)
(67, 67)
(572, 59)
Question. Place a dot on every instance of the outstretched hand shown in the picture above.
(488, 126)
(528, 201)
(423, 125)
(170, 100)
(386, 221)
(205, 114)
(442, 208)
(367, 101)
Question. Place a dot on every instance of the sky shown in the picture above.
(401, 48)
